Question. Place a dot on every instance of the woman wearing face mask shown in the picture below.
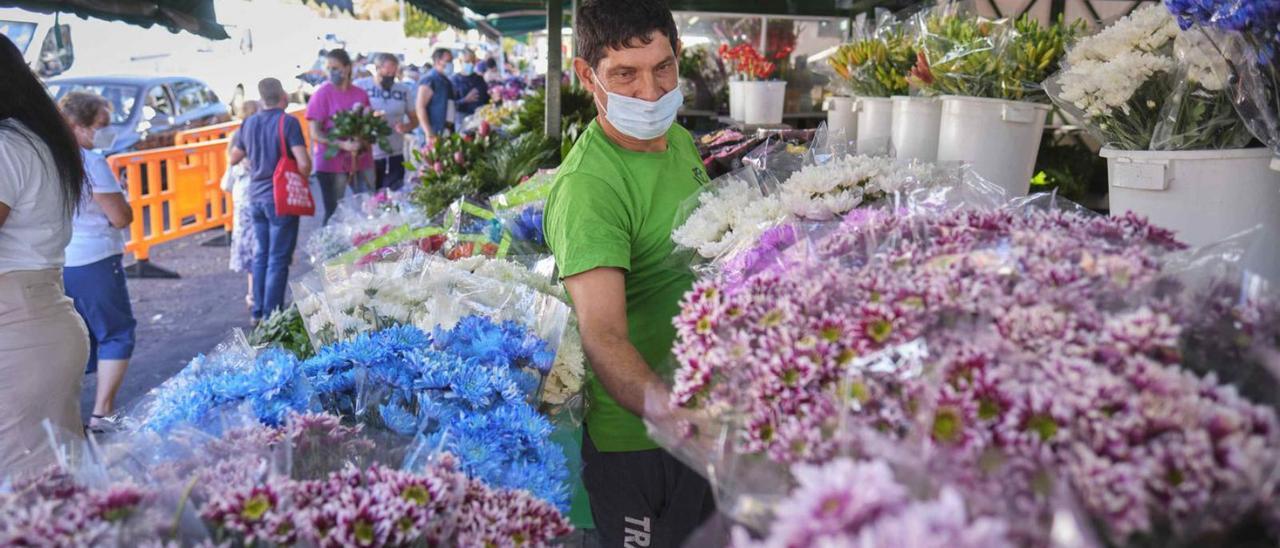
(336, 173)
(94, 275)
(43, 344)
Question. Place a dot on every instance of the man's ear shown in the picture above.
(679, 48)
(583, 70)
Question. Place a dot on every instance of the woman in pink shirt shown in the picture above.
(343, 169)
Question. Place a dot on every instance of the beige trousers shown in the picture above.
(43, 349)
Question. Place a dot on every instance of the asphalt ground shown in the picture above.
(180, 318)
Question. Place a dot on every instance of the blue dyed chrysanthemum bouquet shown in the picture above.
(471, 390)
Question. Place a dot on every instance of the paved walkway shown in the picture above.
(178, 319)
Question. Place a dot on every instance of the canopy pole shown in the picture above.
(555, 14)
(573, 74)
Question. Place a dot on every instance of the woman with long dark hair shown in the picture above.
(43, 342)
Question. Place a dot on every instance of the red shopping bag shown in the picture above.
(291, 190)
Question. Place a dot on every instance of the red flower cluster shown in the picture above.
(745, 60)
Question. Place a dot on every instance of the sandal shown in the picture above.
(99, 424)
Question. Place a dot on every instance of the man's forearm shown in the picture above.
(622, 371)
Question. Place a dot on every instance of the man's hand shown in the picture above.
(402, 128)
(600, 299)
(472, 96)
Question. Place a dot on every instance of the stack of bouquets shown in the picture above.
(962, 54)
(1012, 349)
(728, 216)
(362, 226)
(471, 389)
(428, 291)
(520, 211)
(472, 230)
(1247, 34)
(312, 481)
(1143, 84)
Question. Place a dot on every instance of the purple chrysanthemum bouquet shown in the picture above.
(1247, 32)
(1013, 347)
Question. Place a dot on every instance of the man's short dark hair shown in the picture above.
(272, 92)
(339, 55)
(439, 54)
(387, 57)
(609, 24)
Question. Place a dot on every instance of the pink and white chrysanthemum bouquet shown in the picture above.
(1019, 348)
(311, 482)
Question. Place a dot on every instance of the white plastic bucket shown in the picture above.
(1202, 195)
(916, 121)
(737, 101)
(875, 125)
(764, 102)
(842, 119)
(998, 138)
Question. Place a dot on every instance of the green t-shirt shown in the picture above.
(612, 207)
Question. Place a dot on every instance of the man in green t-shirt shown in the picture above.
(608, 222)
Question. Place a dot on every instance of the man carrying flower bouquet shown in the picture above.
(608, 222)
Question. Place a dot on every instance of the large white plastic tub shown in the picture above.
(875, 125)
(737, 101)
(764, 102)
(1202, 195)
(842, 119)
(998, 138)
(916, 121)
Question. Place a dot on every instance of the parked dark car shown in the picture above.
(146, 112)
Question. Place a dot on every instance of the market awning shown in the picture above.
(194, 16)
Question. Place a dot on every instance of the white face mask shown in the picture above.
(640, 119)
(104, 138)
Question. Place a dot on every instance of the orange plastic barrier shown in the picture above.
(224, 130)
(174, 191)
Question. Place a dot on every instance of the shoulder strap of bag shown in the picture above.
(284, 148)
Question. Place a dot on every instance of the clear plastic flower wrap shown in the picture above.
(1038, 342)
(252, 484)
(875, 63)
(1142, 84)
(1247, 34)
(473, 230)
(960, 53)
(520, 211)
(722, 224)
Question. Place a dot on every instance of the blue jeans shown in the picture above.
(277, 237)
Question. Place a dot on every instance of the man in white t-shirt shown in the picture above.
(391, 97)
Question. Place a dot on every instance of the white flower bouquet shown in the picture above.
(730, 215)
(1142, 84)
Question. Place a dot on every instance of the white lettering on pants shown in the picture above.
(637, 538)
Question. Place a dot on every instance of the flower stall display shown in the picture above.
(359, 125)
(309, 482)
(987, 75)
(442, 165)
(1160, 99)
(1247, 33)
(1012, 346)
